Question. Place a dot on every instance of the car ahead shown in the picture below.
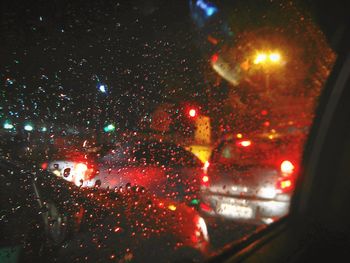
(50, 219)
(73, 166)
(251, 179)
(164, 169)
(75, 162)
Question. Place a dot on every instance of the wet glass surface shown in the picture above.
(134, 131)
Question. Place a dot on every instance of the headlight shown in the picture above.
(57, 173)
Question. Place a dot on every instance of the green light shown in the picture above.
(28, 127)
(194, 202)
(8, 125)
(109, 128)
(43, 129)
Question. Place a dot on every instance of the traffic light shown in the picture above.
(192, 113)
(8, 125)
(109, 128)
(28, 127)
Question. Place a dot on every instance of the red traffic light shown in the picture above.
(192, 112)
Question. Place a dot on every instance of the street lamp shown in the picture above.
(260, 58)
(267, 59)
(275, 57)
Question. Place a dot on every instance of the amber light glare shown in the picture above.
(172, 207)
(285, 184)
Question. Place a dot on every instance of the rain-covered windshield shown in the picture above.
(116, 118)
(152, 153)
(257, 149)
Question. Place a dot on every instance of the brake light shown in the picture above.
(44, 166)
(205, 207)
(245, 143)
(214, 58)
(285, 184)
(205, 179)
(80, 168)
(287, 167)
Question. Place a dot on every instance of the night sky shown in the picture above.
(55, 53)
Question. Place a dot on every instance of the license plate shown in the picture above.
(235, 211)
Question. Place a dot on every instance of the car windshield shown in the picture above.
(160, 154)
(152, 130)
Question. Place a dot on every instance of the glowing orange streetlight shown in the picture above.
(267, 59)
(260, 58)
(275, 57)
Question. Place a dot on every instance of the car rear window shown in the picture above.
(259, 151)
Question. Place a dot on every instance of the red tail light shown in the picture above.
(285, 184)
(206, 208)
(287, 167)
(205, 180)
(80, 168)
(44, 166)
(214, 58)
(192, 113)
(80, 173)
(85, 171)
